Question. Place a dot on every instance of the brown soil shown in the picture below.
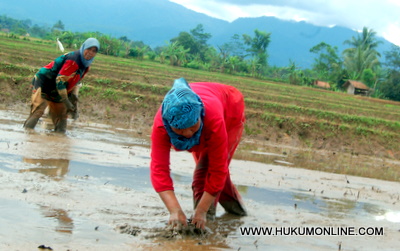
(307, 148)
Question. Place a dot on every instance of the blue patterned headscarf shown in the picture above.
(181, 109)
(90, 42)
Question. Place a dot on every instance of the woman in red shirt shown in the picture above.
(206, 119)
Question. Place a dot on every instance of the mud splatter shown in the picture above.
(88, 191)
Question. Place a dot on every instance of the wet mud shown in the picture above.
(90, 190)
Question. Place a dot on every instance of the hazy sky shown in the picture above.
(383, 16)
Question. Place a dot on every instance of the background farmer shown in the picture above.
(206, 119)
(54, 85)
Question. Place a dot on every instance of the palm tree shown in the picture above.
(362, 54)
(356, 60)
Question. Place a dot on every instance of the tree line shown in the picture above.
(245, 55)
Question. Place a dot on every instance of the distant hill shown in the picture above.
(156, 21)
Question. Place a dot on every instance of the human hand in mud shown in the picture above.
(177, 219)
(199, 219)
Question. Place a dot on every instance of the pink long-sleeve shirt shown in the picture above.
(224, 107)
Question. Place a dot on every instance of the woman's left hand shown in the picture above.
(199, 219)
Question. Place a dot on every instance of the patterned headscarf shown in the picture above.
(90, 42)
(181, 109)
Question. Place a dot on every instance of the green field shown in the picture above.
(313, 128)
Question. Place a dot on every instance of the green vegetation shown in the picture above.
(317, 129)
(244, 55)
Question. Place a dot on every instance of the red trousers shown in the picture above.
(229, 197)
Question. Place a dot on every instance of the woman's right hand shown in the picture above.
(177, 217)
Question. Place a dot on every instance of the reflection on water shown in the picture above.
(51, 153)
(65, 223)
(54, 168)
(28, 153)
(327, 161)
(389, 216)
(337, 208)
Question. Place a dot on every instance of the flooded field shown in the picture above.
(90, 190)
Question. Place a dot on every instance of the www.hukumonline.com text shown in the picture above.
(312, 231)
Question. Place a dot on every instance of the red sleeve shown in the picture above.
(68, 68)
(160, 156)
(67, 77)
(73, 81)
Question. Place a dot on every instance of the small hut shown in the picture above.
(321, 84)
(356, 88)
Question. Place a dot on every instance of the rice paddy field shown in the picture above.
(312, 128)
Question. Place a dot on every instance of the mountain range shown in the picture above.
(154, 22)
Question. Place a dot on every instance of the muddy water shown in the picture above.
(90, 190)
